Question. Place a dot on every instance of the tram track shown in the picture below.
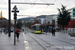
(60, 40)
(34, 39)
(63, 41)
(37, 42)
(49, 43)
(43, 41)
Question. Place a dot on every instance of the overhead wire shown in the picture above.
(33, 6)
(28, 8)
(22, 2)
(54, 0)
(45, 8)
(23, 11)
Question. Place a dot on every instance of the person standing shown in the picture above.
(46, 27)
(53, 32)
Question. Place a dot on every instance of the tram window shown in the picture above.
(38, 28)
(34, 28)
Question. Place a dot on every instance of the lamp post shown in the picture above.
(15, 10)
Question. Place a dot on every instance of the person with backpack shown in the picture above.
(17, 33)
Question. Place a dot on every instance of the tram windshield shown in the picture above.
(36, 27)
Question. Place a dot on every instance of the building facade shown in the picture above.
(4, 23)
(72, 13)
(46, 18)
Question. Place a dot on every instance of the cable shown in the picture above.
(30, 7)
(33, 6)
(54, 0)
(47, 6)
(30, 1)
(44, 9)
(48, 1)
(25, 9)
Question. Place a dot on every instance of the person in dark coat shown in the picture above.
(46, 27)
(53, 32)
(17, 33)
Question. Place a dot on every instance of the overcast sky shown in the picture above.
(35, 10)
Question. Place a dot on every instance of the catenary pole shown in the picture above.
(9, 14)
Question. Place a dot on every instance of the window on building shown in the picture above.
(73, 13)
(73, 9)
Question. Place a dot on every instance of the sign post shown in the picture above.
(15, 17)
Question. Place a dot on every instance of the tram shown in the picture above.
(36, 28)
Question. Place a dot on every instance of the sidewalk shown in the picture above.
(7, 43)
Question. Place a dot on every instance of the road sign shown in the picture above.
(15, 17)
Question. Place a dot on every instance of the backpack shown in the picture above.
(17, 31)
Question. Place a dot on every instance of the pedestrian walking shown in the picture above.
(53, 32)
(17, 33)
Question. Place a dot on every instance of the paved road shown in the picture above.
(62, 41)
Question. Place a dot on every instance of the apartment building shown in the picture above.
(72, 13)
